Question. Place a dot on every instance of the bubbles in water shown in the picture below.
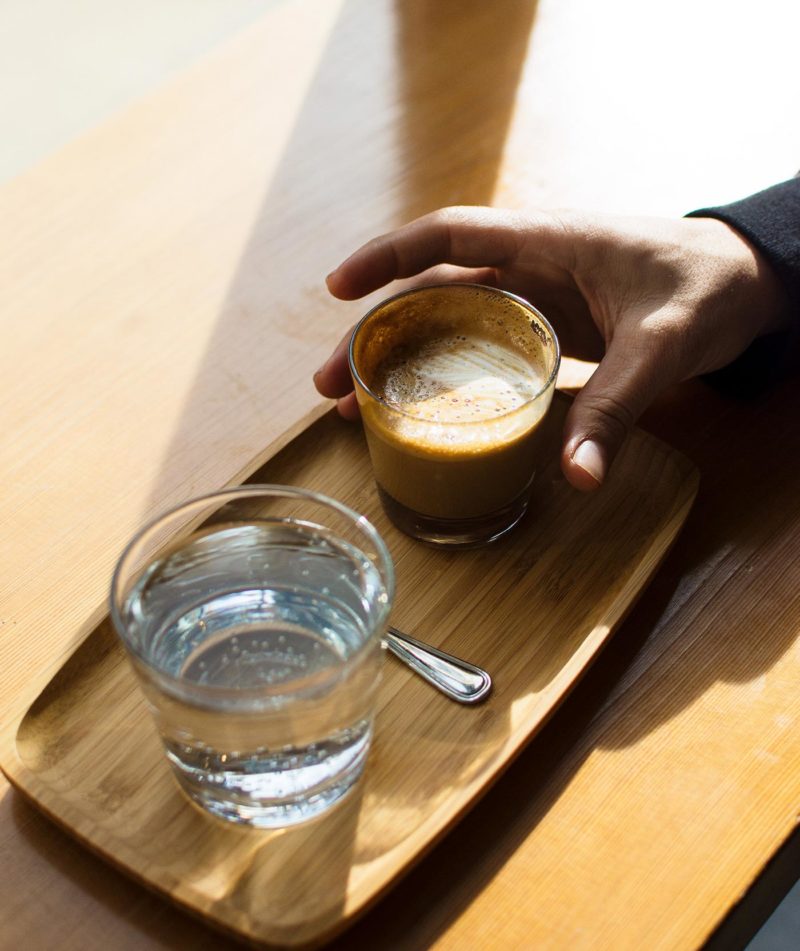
(246, 638)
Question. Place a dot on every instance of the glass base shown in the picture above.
(455, 532)
(273, 798)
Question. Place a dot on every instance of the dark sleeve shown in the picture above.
(770, 220)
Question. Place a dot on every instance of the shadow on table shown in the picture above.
(678, 643)
(739, 542)
(91, 887)
(408, 110)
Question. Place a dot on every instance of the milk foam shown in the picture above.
(459, 379)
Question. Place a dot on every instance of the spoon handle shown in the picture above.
(459, 680)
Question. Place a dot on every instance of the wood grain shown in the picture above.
(162, 311)
(534, 609)
(178, 328)
(677, 757)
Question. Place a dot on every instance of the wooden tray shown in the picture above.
(533, 609)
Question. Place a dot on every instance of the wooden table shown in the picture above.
(162, 313)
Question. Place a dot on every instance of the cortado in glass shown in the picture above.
(256, 637)
(454, 382)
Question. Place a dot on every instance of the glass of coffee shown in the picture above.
(454, 382)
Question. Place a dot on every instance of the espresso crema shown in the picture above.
(458, 379)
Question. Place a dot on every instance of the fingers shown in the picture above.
(334, 381)
(627, 380)
(333, 377)
(450, 274)
(468, 237)
(348, 407)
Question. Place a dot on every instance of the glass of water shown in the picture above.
(253, 618)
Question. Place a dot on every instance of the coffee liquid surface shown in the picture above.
(457, 379)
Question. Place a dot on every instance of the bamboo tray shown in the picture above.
(533, 609)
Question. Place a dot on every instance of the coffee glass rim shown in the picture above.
(451, 286)
(187, 690)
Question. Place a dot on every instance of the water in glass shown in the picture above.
(255, 644)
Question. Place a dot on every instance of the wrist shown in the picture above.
(754, 312)
(770, 299)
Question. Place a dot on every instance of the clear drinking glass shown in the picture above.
(256, 635)
(454, 382)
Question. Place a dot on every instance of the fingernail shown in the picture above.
(588, 457)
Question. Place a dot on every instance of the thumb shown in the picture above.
(627, 380)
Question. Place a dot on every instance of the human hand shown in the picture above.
(656, 301)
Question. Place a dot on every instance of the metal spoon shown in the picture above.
(456, 678)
